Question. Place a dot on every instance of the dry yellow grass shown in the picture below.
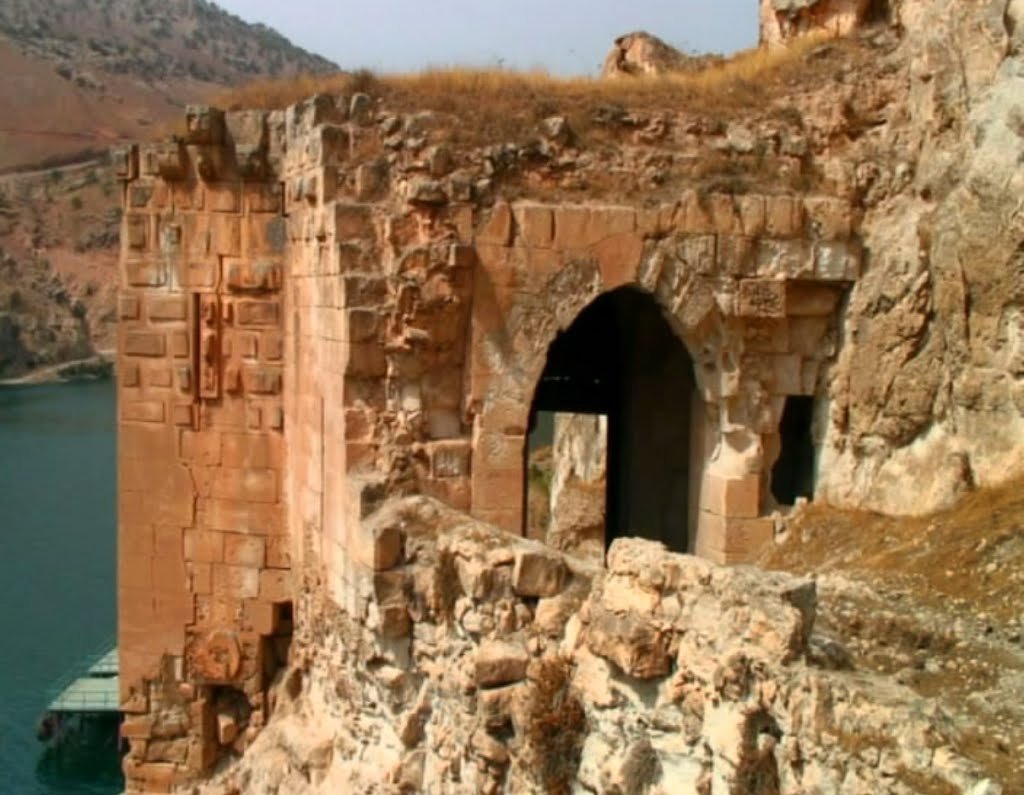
(962, 564)
(494, 101)
(972, 551)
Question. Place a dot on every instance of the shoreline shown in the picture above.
(93, 368)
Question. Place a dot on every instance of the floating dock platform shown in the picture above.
(98, 692)
(84, 702)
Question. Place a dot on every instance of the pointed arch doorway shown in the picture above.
(620, 360)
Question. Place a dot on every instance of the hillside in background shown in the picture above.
(934, 601)
(79, 77)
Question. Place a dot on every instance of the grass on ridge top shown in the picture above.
(495, 99)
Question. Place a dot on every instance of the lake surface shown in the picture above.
(57, 572)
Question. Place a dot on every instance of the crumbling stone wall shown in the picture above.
(518, 669)
(422, 321)
(752, 296)
(203, 568)
(392, 330)
(329, 306)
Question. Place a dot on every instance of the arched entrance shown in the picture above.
(621, 359)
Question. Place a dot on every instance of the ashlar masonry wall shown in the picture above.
(308, 329)
(753, 302)
(203, 565)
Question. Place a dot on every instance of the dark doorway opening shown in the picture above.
(621, 359)
(793, 473)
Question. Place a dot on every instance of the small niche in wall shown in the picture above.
(229, 713)
(278, 645)
(794, 470)
(879, 12)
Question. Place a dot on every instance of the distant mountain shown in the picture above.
(80, 75)
(77, 76)
(152, 39)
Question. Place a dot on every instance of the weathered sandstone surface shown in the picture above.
(339, 320)
(784, 20)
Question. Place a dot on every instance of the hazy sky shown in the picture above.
(563, 36)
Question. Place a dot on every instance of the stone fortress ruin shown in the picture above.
(336, 332)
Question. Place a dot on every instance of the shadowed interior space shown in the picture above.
(793, 473)
(621, 360)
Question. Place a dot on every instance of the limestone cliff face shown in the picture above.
(928, 395)
(925, 137)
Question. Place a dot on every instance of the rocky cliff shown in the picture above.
(928, 397)
(40, 323)
(58, 244)
(84, 74)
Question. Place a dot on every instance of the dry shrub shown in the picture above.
(640, 768)
(557, 726)
(495, 103)
(925, 783)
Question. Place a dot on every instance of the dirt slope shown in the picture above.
(938, 601)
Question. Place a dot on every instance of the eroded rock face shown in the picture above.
(577, 500)
(928, 395)
(661, 674)
(641, 54)
(783, 20)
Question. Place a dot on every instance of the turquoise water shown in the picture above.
(57, 572)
